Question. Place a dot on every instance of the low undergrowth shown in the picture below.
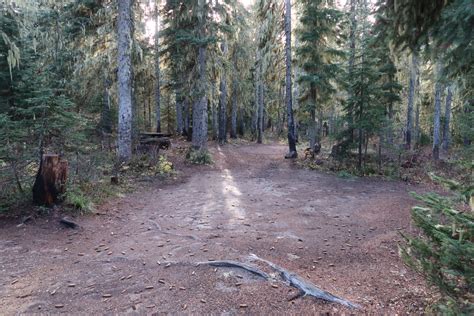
(199, 157)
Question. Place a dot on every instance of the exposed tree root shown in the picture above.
(68, 223)
(235, 264)
(306, 288)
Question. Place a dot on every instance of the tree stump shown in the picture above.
(50, 181)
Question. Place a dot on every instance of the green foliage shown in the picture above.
(165, 167)
(199, 157)
(78, 200)
(345, 175)
(319, 57)
(444, 254)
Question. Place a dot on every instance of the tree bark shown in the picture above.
(411, 98)
(447, 119)
(288, 97)
(313, 125)
(157, 69)
(417, 123)
(125, 97)
(352, 52)
(199, 137)
(214, 114)
(179, 113)
(233, 120)
(260, 112)
(50, 181)
(223, 100)
(186, 119)
(437, 114)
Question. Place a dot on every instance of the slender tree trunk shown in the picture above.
(288, 97)
(352, 52)
(279, 108)
(437, 115)
(233, 127)
(417, 123)
(254, 123)
(223, 102)
(411, 98)
(187, 128)
(260, 113)
(157, 69)
(124, 25)
(179, 113)
(169, 121)
(447, 119)
(149, 113)
(313, 125)
(214, 113)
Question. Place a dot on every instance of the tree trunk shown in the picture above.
(157, 69)
(447, 119)
(124, 25)
(50, 181)
(313, 126)
(254, 122)
(214, 114)
(411, 98)
(187, 128)
(179, 113)
(233, 121)
(223, 101)
(199, 137)
(437, 114)
(417, 123)
(352, 53)
(260, 113)
(288, 97)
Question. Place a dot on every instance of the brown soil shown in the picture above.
(137, 257)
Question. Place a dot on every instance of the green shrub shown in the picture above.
(444, 253)
(199, 157)
(78, 200)
(345, 175)
(164, 166)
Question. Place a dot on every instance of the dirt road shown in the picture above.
(340, 234)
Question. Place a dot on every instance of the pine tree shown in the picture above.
(288, 84)
(364, 109)
(319, 59)
(445, 251)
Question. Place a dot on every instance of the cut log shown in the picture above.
(306, 288)
(50, 181)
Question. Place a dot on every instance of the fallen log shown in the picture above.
(235, 264)
(306, 288)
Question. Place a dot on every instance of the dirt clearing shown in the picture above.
(340, 234)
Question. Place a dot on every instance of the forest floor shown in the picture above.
(138, 256)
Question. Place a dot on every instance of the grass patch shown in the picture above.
(79, 201)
